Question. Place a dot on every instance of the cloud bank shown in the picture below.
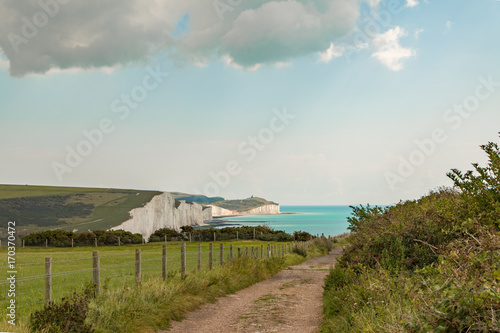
(37, 36)
(389, 51)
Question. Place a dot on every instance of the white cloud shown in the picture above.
(389, 51)
(417, 33)
(229, 61)
(96, 34)
(411, 3)
(282, 64)
(448, 25)
(334, 51)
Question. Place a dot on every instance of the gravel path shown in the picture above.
(291, 301)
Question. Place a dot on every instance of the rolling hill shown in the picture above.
(47, 207)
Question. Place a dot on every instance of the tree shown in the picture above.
(481, 189)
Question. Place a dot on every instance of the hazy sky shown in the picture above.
(301, 102)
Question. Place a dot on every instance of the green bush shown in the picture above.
(300, 251)
(61, 238)
(67, 316)
(427, 265)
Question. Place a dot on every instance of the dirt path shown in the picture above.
(291, 301)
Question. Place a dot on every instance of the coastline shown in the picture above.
(219, 221)
(330, 220)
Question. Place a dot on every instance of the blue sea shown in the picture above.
(328, 220)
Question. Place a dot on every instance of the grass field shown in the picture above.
(72, 268)
(243, 205)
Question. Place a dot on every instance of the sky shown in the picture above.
(327, 102)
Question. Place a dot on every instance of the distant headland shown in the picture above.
(38, 208)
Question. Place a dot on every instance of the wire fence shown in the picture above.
(38, 283)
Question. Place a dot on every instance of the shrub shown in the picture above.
(300, 251)
(160, 234)
(68, 316)
(481, 190)
(427, 265)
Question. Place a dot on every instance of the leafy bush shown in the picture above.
(300, 251)
(263, 233)
(302, 236)
(68, 316)
(160, 234)
(481, 190)
(61, 238)
(427, 265)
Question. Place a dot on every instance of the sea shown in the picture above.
(316, 220)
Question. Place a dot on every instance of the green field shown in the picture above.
(243, 205)
(36, 208)
(72, 268)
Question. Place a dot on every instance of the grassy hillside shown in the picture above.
(427, 265)
(48, 207)
(201, 199)
(243, 205)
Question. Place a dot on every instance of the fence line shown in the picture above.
(55, 279)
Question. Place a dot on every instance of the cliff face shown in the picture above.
(262, 210)
(161, 212)
(219, 211)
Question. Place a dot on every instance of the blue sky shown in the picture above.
(301, 102)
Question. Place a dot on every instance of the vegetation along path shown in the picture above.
(291, 301)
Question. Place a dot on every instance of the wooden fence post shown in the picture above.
(231, 252)
(23, 243)
(262, 252)
(237, 237)
(214, 237)
(96, 276)
(138, 266)
(164, 262)
(119, 242)
(246, 251)
(183, 259)
(253, 233)
(239, 252)
(46, 243)
(95, 241)
(48, 280)
(268, 251)
(210, 255)
(221, 254)
(199, 257)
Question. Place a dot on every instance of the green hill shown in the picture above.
(37, 208)
(243, 205)
(48, 207)
(201, 199)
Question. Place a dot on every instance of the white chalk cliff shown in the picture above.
(262, 210)
(163, 212)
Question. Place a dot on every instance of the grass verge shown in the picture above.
(155, 303)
